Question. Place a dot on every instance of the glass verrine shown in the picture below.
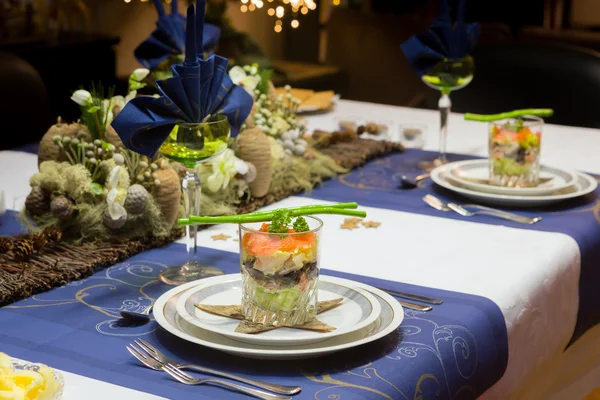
(446, 76)
(192, 144)
(515, 151)
(280, 273)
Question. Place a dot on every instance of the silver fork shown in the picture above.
(152, 364)
(190, 380)
(482, 210)
(163, 359)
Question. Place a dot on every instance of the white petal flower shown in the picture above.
(249, 82)
(117, 101)
(130, 96)
(225, 166)
(140, 74)
(82, 97)
(237, 73)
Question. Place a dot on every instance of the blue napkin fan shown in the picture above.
(168, 39)
(198, 89)
(443, 40)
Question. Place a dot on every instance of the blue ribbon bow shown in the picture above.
(198, 89)
(168, 39)
(443, 40)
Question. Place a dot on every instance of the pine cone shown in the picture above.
(5, 245)
(39, 241)
(62, 208)
(53, 234)
(23, 250)
(38, 201)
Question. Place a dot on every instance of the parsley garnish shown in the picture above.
(280, 222)
(300, 225)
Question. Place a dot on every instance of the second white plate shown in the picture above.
(585, 184)
(358, 310)
(469, 172)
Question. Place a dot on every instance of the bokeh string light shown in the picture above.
(276, 8)
(281, 8)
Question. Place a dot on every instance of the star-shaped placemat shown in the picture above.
(245, 326)
(371, 224)
(220, 236)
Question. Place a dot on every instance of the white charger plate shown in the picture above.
(463, 171)
(165, 313)
(585, 184)
(357, 310)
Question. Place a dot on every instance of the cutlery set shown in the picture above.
(148, 355)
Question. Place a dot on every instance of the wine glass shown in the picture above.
(192, 144)
(446, 76)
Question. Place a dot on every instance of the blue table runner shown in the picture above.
(456, 351)
(376, 185)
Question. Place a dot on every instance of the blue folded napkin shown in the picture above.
(198, 89)
(168, 39)
(443, 40)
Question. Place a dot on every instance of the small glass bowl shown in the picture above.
(412, 135)
(20, 365)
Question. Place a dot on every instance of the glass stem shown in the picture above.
(191, 201)
(444, 105)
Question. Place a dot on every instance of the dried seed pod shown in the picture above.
(22, 250)
(39, 240)
(62, 208)
(38, 201)
(5, 245)
(53, 234)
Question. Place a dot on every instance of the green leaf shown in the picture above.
(265, 77)
(97, 188)
(94, 109)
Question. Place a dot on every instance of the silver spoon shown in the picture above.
(406, 183)
(137, 316)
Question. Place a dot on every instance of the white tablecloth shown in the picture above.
(535, 285)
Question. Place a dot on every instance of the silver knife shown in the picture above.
(414, 306)
(415, 297)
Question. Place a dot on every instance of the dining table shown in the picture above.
(521, 311)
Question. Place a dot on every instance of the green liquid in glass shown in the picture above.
(191, 144)
(450, 75)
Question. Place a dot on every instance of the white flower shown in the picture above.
(82, 97)
(225, 166)
(140, 74)
(241, 78)
(280, 124)
(115, 198)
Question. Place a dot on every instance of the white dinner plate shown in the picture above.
(464, 171)
(165, 313)
(585, 184)
(357, 310)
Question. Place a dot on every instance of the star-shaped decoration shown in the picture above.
(245, 326)
(371, 224)
(349, 226)
(352, 220)
(220, 236)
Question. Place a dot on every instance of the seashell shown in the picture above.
(49, 151)
(167, 195)
(254, 147)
